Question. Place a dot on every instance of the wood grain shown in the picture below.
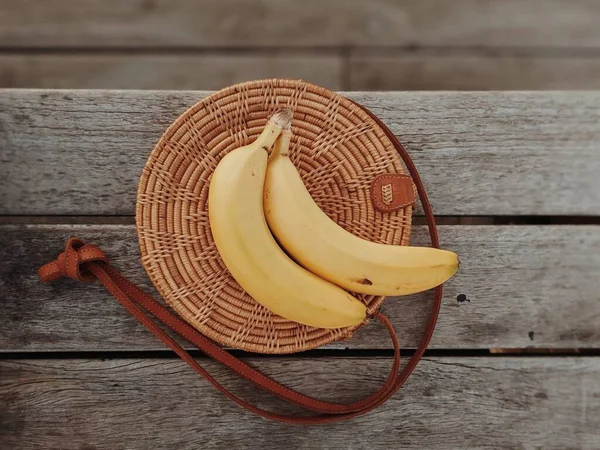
(172, 71)
(467, 403)
(527, 286)
(472, 72)
(513, 153)
(272, 23)
(404, 71)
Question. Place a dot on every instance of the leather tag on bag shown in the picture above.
(392, 191)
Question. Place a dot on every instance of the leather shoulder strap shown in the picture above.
(87, 262)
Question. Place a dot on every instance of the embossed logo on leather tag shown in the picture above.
(392, 191)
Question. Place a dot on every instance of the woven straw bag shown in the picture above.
(339, 148)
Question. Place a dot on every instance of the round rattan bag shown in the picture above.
(338, 149)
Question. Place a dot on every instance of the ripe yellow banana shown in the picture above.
(251, 253)
(327, 250)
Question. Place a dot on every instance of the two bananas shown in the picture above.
(254, 196)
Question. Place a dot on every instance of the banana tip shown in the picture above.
(283, 118)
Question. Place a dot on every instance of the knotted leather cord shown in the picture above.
(86, 262)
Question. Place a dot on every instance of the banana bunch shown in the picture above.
(255, 197)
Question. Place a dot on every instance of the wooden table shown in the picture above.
(515, 180)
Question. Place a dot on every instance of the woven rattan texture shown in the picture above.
(338, 150)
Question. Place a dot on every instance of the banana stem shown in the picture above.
(281, 120)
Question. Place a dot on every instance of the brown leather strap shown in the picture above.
(86, 262)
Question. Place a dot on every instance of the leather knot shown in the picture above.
(72, 262)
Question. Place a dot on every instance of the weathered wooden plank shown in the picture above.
(182, 71)
(478, 403)
(404, 71)
(81, 152)
(215, 23)
(526, 286)
(472, 72)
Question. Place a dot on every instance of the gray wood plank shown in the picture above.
(467, 403)
(512, 153)
(460, 72)
(216, 23)
(527, 286)
(171, 71)
(404, 71)
(500, 152)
